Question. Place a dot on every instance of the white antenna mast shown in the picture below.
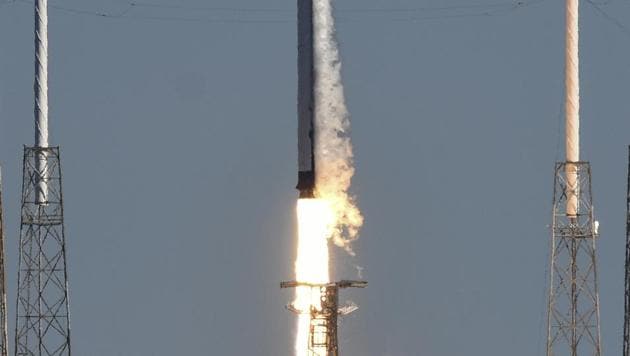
(41, 96)
(572, 105)
(41, 73)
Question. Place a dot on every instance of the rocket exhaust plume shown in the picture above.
(326, 211)
(572, 104)
(333, 149)
(41, 95)
(324, 147)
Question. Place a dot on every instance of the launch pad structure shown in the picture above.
(626, 319)
(573, 304)
(323, 330)
(42, 319)
(4, 339)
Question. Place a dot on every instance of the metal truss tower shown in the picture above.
(4, 339)
(573, 304)
(42, 320)
(626, 319)
(323, 326)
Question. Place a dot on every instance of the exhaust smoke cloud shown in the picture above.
(333, 149)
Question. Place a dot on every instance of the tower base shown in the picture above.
(42, 315)
(573, 305)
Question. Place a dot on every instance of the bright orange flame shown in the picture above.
(315, 223)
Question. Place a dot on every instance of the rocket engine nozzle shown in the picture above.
(306, 184)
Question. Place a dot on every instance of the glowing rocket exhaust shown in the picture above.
(314, 221)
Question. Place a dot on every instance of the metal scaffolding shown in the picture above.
(626, 319)
(573, 306)
(323, 325)
(4, 339)
(42, 314)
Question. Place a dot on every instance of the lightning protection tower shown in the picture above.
(626, 319)
(42, 325)
(323, 325)
(573, 304)
(4, 340)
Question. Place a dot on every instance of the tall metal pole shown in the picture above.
(42, 325)
(573, 319)
(41, 125)
(4, 339)
(572, 112)
(626, 319)
(41, 73)
(572, 103)
(41, 95)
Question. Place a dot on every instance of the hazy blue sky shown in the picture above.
(179, 156)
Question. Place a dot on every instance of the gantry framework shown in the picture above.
(42, 317)
(4, 340)
(573, 304)
(626, 319)
(323, 328)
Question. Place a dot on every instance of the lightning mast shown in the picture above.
(42, 316)
(626, 319)
(4, 339)
(573, 320)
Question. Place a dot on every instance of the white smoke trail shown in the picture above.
(333, 150)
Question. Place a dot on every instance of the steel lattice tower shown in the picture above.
(626, 319)
(4, 340)
(573, 305)
(42, 326)
(43, 321)
(323, 331)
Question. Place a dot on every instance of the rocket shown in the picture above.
(306, 100)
